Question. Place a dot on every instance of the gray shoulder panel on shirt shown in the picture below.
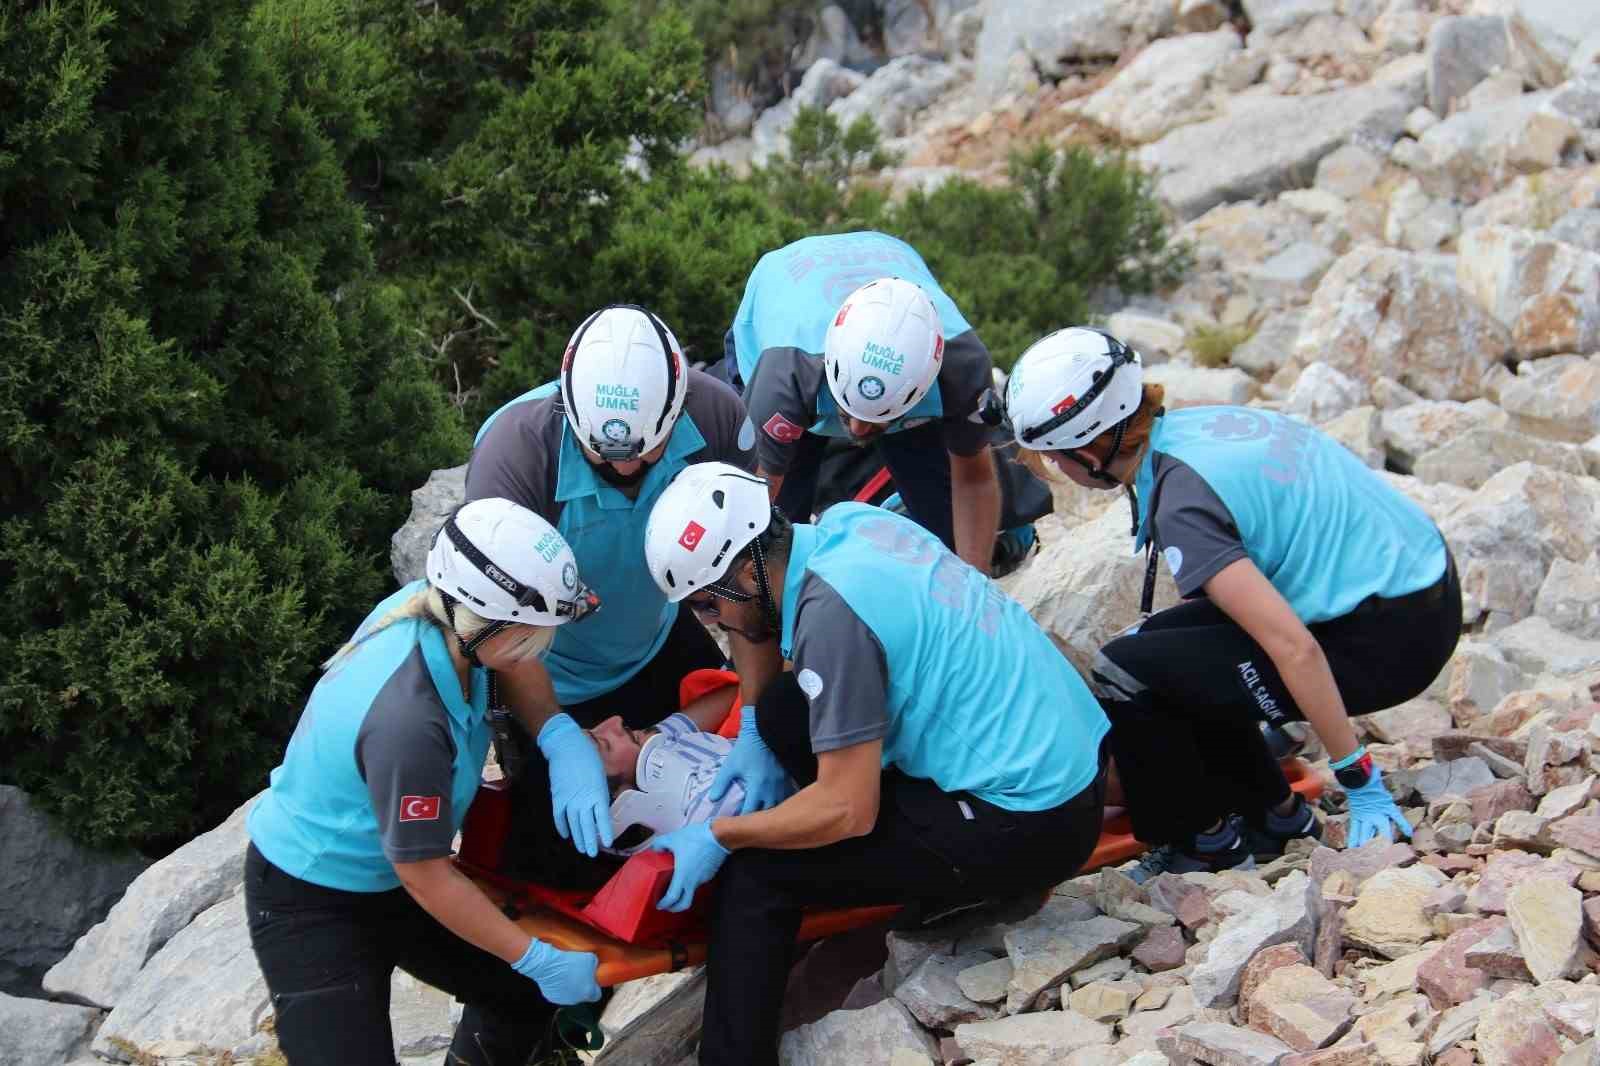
(967, 373)
(405, 753)
(719, 412)
(840, 666)
(782, 398)
(1190, 524)
(519, 457)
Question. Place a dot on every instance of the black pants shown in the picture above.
(534, 850)
(917, 461)
(1186, 690)
(328, 955)
(927, 845)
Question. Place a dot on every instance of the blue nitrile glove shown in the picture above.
(752, 763)
(564, 977)
(578, 789)
(1373, 811)
(696, 858)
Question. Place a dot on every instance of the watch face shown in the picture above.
(1356, 774)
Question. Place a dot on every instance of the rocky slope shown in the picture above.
(1400, 241)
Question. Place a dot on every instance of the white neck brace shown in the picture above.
(674, 775)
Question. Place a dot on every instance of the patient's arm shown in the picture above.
(709, 710)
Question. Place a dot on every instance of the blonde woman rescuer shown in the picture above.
(348, 874)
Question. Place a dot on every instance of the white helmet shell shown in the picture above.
(506, 564)
(709, 513)
(672, 787)
(623, 380)
(1055, 397)
(883, 350)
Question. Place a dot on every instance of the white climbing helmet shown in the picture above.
(506, 564)
(1070, 386)
(623, 380)
(708, 515)
(883, 350)
(672, 787)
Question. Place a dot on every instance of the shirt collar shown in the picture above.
(801, 546)
(575, 477)
(442, 669)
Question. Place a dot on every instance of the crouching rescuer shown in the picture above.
(1313, 591)
(945, 751)
(348, 874)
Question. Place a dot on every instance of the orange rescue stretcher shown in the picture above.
(620, 923)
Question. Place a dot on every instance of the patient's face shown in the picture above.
(619, 751)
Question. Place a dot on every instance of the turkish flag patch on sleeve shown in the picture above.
(782, 430)
(419, 808)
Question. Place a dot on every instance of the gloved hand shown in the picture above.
(696, 858)
(1373, 811)
(577, 785)
(564, 977)
(753, 763)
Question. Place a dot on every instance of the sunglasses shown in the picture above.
(708, 605)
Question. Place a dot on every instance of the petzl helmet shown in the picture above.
(507, 565)
(883, 350)
(623, 380)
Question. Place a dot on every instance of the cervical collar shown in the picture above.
(674, 775)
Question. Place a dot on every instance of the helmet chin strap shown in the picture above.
(758, 556)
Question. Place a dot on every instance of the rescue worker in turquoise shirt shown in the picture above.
(590, 453)
(1315, 590)
(348, 874)
(945, 751)
(849, 336)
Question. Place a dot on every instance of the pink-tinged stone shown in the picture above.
(1457, 744)
(1453, 863)
(1581, 832)
(1362, 1054)
(1184, 901)
(1446, 979)
(1499, 955)
(1263, 963)
(1591, 919)
(1505, 869)
(1456, 1056)
(1489, 802)
(1161, 949)
(1361, 863)
(1302, 1008)
(1330, 936)
(1573, 1019)
(1513, 1032)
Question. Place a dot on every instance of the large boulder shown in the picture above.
(1084, 586)
(160, 902)
(204, 987)
(1057, 37)
(51, 890)
(1415, 429)
(1473, 152)
(34, 1032)
(1380, 313)
(430, 506)
(1479, 454)
(1556, 397)
(1507, 534)
(824, 82)
(895, 92)
(1546, 291)
(1548, 37)
(1166, 86)
(873, 1034)
(1274, 142)
(1462, 51)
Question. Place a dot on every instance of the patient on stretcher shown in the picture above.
(660, 779)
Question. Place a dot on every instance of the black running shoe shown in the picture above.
(1268, 840)
(1211, 853)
